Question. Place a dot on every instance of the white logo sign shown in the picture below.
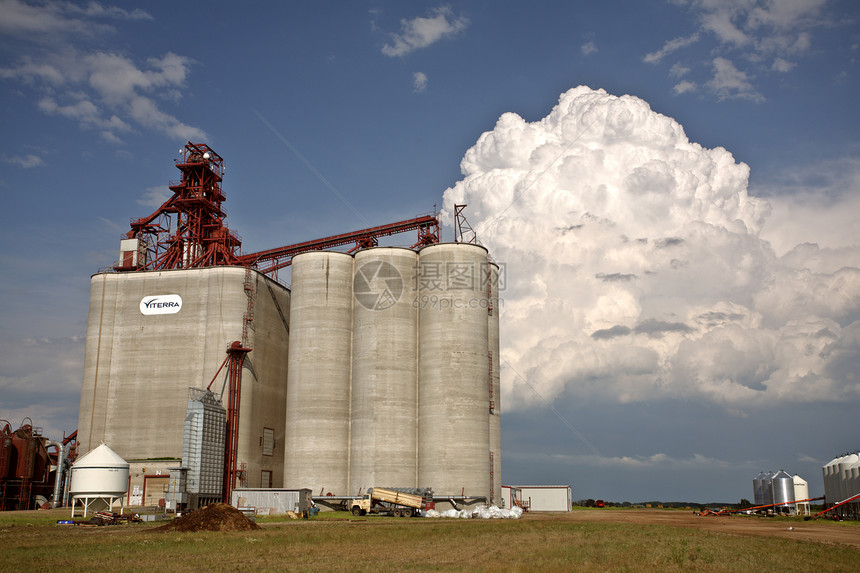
(161, 304)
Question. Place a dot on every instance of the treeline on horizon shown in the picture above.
(742, 504)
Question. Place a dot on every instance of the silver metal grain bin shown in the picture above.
(782, 485)
(758, 488)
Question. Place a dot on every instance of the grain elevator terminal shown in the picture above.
(376, 367)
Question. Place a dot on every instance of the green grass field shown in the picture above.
(337, 542)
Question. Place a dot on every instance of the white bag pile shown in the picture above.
(480, 512)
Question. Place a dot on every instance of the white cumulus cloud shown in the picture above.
(636, 269)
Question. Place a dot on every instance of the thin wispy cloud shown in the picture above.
(24, 161)
(588, 48)
(111, 93)
(421, 32)
(670, 47)
(684, 87)
(745, 39)
(729, 82)
(155, 196)
(419, 82)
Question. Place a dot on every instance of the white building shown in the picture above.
(537, 497)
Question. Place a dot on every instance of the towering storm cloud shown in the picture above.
(636, 269)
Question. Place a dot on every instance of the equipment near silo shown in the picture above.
(30, 473)
(272, 501)
(203, 449)
(388, 501)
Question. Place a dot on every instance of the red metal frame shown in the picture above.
(272, 260)
(236, 354)
(188, 230)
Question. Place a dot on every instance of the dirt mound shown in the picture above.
(213, 517)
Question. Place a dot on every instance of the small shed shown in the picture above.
(271, 501)
(537, 497)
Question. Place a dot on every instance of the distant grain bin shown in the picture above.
(758, 488)
(153, 334)
(782, 484)
(801, 492)
(842, 483)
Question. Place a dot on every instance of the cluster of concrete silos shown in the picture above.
(842, 482)
(781, 492)
(393, 372)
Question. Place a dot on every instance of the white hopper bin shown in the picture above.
(99, 480)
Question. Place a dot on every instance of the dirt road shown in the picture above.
(820, 531)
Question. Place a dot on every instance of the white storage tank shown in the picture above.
(318, 384)
(453, 370)
(844, 475)
(99, 479)
(831, 485)
(383, 436)
(854, 479)
(801, 491)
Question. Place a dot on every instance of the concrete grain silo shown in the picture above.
(153, 334)
(493, 310)
(383, 448)
(453, 370)
(318, 388)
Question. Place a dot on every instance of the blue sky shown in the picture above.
(333, 116)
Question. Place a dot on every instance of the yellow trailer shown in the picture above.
(391, 502)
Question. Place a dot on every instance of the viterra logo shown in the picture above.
(377, 285)
(161, 304)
